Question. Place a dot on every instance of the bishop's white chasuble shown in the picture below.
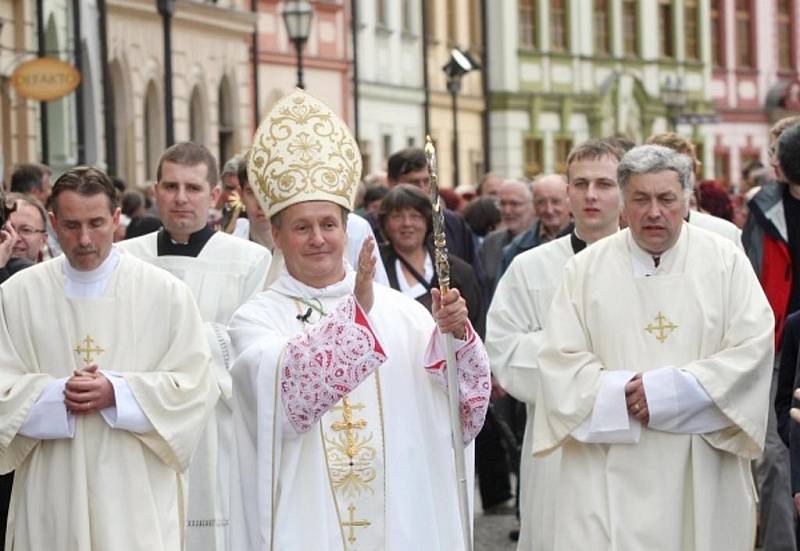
(703, 313)
(103, 488)
(222, 277)
(359, 459)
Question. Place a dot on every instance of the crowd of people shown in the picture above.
(252, 356)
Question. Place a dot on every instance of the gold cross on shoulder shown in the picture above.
(662, 329)
(89, 351)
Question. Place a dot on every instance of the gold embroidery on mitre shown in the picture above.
(301, 152)
(662, 329)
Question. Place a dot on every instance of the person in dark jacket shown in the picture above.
(409, 166)
(771, 239)
(405, 219)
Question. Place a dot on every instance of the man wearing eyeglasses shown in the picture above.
(23, 236)
(29, 221)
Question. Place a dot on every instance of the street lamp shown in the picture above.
(166, 8)
(673, 94)
(297, 16)
(459, 64)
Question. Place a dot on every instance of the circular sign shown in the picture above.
(45, 79)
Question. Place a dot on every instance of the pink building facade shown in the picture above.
(326, 58)
(755, 69)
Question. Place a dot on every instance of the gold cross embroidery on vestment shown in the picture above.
(348, 424)
(351, 524)
(662, 329)
(89, 351)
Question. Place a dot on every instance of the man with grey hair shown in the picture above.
(654, 378)
(516, 216)
(551, 207)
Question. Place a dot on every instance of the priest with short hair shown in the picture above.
(222, 272)
(654, 378)
(104, 387)
(518, 315)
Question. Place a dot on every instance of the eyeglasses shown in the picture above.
(27, 231)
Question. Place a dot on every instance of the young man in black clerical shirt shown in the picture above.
(223, 272)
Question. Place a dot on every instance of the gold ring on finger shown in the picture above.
(636, 407)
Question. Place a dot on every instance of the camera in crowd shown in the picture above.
(7, 206)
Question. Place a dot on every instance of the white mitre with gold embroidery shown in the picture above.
(303, 152)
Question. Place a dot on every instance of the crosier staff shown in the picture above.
(443, 273)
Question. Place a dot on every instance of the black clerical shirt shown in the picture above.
(577, 243)
(167, 247)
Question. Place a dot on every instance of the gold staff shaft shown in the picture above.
(443, 272)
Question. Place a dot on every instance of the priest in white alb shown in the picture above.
(342, 427)
(654, 378)
(518, 314)
(223, 272)
(104, 388)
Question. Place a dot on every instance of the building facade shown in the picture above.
(755, 80)
(457, 24)
(211, 82)
(390, 80)
(116, 118)
(568, 70)
(326, 56)
(18, 115)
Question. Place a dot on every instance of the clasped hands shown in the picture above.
(88, 391)
(636, 399)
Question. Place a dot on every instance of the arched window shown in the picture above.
(124, 127)
(92, 131)
(58, 111)
(153, 131)
(197, 118)
(226, 122)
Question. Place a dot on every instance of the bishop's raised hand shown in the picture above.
(365, 274)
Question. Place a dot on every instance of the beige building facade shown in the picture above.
(456, 23)
(212, 83)
(18, 116)
(212, 80)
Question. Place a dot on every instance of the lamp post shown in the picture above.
(459, 64)
(673, 94)
(167, 9)
(297, 16)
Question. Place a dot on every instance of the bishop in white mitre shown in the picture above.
(108, 474)
(518, 315)
(342, 428)
(222, 272)
(654, 378)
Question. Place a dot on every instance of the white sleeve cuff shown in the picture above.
(678, 403)
(127, 414)
(609, 422)
(49, 419)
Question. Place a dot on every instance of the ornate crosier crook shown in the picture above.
(443, 273)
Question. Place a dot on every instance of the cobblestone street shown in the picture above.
(491, 532)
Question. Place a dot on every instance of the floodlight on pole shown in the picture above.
(459, 64)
